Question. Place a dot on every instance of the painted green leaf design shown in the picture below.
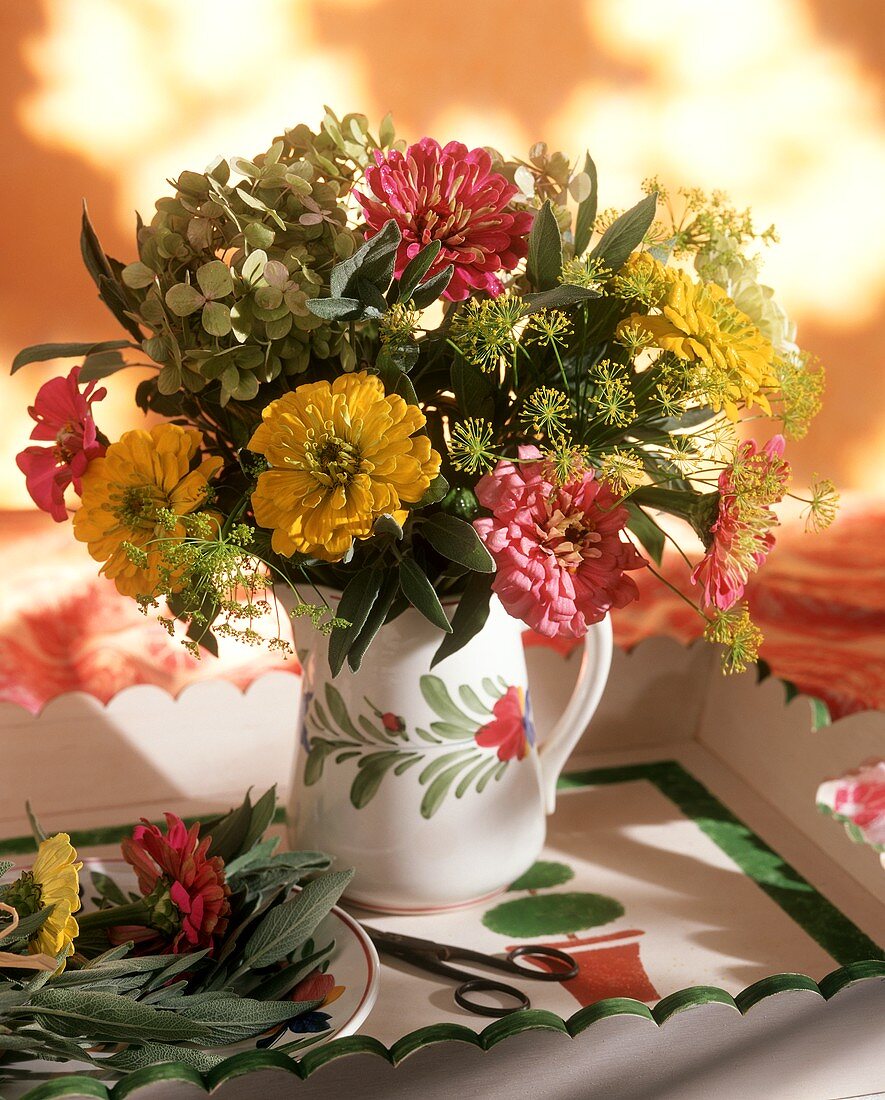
(452, 732)
(494, 772)
(439, 788)
(437, 697)
(338, 710)
(464, 784)
(316, 758)
(552, 914)
(472, 700)
(542, 875)
(371, 770)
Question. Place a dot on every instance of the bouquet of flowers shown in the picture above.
(408, 372)
(213, 948)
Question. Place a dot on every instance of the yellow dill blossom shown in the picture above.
(485, 331)
(641, 279)
(735, 630)
(589, 272)
(52, 883)
(621, 470)
(823, 506)
(398, 325)
(612, 394)
(732, 361)
(546, 410)
(469, 446)
(549, 327)
(566, 460)
(341, 455)
(801, 393)
(136, 497)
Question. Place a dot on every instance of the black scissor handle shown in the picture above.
(486, 985)
(566, 966)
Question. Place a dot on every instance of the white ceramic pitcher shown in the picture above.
(431, 782)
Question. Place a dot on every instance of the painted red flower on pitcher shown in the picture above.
(449, 195)
(64, 415)
(184, 886)
(511, 730)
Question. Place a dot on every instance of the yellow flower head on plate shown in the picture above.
(52, 883)
(341, 455)
(137, 494)
(732, 361)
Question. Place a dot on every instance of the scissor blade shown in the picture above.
(395, 942)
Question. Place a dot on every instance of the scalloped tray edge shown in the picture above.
(689, 999)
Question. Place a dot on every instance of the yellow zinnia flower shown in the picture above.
(341, 454)
(136, 494)
(701, 325)
(52, 883)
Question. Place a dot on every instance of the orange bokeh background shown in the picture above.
(776, 101)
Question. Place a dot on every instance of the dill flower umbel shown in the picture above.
(731, 360)
(136, 497)
(52, 883)
(341, 455)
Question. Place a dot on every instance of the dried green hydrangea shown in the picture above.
(230, 260)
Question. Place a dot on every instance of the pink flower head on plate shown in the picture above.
(560, 557)
(184, 886)
(449, 195)
(857, 799)
(64, 415)
(741, 534)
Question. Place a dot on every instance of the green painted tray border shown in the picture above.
(529, 1020)
(815, 914)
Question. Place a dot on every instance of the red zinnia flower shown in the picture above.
(184, 888)
(449, 195)
(63, 415)
(511, 729)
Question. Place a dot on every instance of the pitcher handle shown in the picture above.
(557, 748)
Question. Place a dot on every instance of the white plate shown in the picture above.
(353, 964)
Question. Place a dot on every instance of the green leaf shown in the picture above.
(374, 621)
(285, 980)
(544, 264)
(108, 889)
(561, 297)
(215, 279)
(108, 1016)
(428, 292)
(137, 276)
(457, 540)
(183, 299)
(586, 215)
(474, 389)
(230, 833)
(287, 926)
(421, 594)
(262, 816)
(625, 234)
(646, 530)
(373, 262)
(101, 365)
(436, 491)
(152, 1054)
(336, 309)
(39, 353)
(99, 266)
(469, 618)
(355, 604)
(233, 1019)
(216, 321)
(386, 132)
(415, 270)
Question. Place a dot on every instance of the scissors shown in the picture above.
(434, 958)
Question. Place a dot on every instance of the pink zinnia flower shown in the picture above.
(184, 887)
(64, 415)
(858, 799)
(511, 729)
(559, 555)
(741, 534)
(449, 195)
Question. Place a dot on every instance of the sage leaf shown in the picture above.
(586, 215)
(285, 928)
(421, 594)
(39, 353)
(544, 263)
(469, 618)
(456, 540)
(356, 602)
(625, 234)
